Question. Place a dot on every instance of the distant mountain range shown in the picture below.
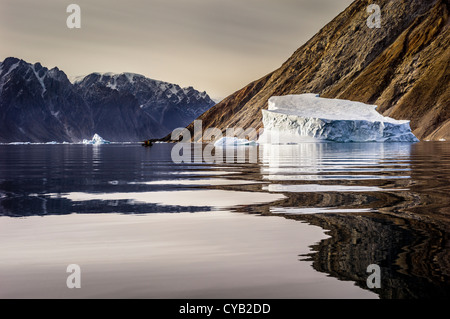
(403, 67)
(42, 105)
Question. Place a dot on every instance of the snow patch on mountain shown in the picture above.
(4, 77)
(40, 79)
(76, 79)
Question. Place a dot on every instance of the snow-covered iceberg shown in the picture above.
(233, 141)
(308, 117)
(96, 140)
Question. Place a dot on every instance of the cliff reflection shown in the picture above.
(401, 222)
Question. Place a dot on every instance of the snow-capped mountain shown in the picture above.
(40, 105)
(168, 104)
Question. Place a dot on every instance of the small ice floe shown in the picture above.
(96, 140)
(233, 141)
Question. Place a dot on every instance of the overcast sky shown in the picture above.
(214, 45)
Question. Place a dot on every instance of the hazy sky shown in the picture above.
(214, 45)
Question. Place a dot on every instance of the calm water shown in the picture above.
(304, 221)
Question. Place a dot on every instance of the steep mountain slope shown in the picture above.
(37, 104)
(403, 67)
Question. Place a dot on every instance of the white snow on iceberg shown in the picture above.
(308, 117)
(233, 141)
(96, 140)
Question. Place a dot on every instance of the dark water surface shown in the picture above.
(383, 204)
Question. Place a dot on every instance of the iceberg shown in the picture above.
(308, 117)
(96, 140)
(233, 141)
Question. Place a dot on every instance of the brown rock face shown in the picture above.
(403, 67)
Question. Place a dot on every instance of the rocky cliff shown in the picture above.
(40, 105)
(158, 107)
(403, 67)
